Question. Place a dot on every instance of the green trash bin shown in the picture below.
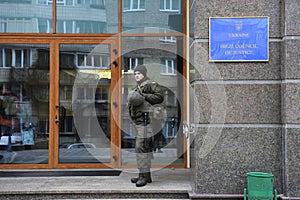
(260, 186)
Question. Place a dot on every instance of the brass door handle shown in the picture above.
(62, 114)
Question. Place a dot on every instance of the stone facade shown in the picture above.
(249, 111)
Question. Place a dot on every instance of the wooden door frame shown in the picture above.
(54, 41)
(115, 102)
(14, 39)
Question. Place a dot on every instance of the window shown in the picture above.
(170, 97)
(170, 5)
(66, 61)
(89, 27)
(58, 2)
(169, 67)
(102, 94)
(168, 39)
(131, 63)
(16, 1)
(16, 58)
(7, 58)
(133, 5)
(43, 60)
(62, 2)
(91, 61)
(65, 26)
(65, 93)
(43, 2)
(44, 25)
(80, 27)
(85, 93)
(100, 4)
(19, 25)
(22, 58)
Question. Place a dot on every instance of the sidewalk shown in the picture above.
(164, 181)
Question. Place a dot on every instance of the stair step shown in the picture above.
(122, 195)
(166, 184)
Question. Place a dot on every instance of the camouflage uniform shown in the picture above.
(152, 94)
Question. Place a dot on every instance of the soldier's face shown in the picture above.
(138, 76)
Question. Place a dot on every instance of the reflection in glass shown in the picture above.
(73, 16)
(134, 5)
(24, 103)
(152, 16)
(94, 16)
(84, 133)
(165, 67)
(26, 16)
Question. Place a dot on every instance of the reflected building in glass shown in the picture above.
(72, 16)
(25, 69)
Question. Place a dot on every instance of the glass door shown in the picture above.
(163, 60)
(84, 113)
(24, 104)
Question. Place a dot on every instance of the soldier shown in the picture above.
(140, 101)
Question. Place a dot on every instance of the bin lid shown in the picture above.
(260, 174)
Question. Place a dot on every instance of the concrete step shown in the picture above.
(121, 195)
(166, 184)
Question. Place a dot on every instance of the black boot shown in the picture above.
(148, 177)
(134, 180)
(142, 181)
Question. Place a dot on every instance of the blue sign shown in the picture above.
(239, 39)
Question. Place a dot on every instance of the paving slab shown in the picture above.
(164, 180)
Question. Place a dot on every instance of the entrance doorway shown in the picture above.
(163, 59)
(24, 96)
(87, 132)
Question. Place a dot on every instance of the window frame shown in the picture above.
(23, 62)
(92, 59)
(169, 67)
(131, 3)
(130, 60)
(170, 9)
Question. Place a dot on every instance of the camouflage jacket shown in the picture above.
(153, 94)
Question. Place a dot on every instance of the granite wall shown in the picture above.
(291, 96)
(248, 117)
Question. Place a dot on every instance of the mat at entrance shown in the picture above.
(60, 173)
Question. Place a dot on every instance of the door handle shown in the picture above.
(115, 104)
(62, 114)
(115, 64)
(115, 51)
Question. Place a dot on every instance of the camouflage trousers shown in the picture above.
(143, 149)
